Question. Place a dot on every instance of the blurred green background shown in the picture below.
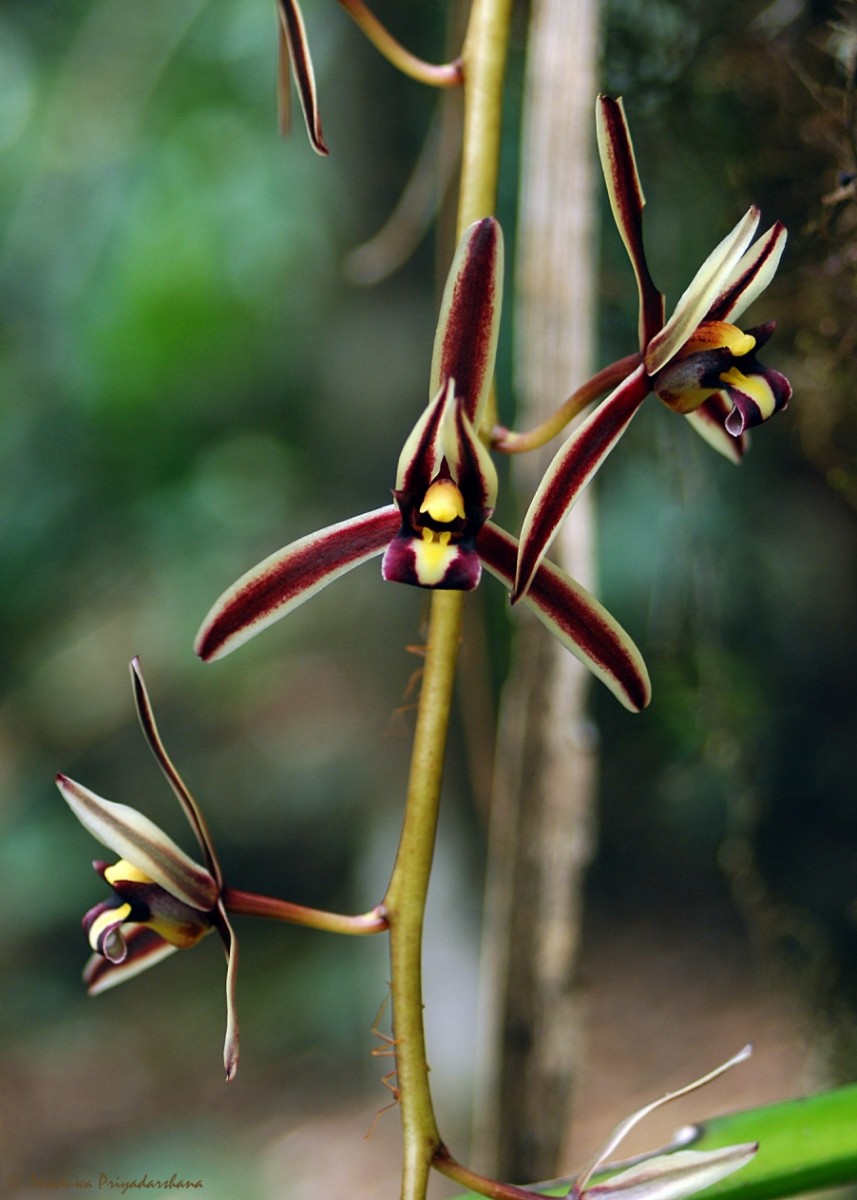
(188, 381)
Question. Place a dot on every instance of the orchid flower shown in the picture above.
(163, 901)
(669, 1176)
(437, 533)
(698, 362)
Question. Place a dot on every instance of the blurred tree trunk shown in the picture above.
(542, 807)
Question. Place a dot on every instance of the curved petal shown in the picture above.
(138, 840)
(294, 52)
(627, 201)
(291, 575)
(573, 466)
(230, 945)
(465, 343)
(145, 949)
(574, 617)
(420, 459)
(706, 285)
(755, 270)
(189, 805)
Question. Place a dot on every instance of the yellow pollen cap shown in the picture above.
(443, 502)
(125, 872)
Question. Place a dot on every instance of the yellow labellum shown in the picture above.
(109, 917)
(432, 556)
(754, 386)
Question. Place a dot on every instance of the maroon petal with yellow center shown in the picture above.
(294, 52)
(290, 576)
(575, 618)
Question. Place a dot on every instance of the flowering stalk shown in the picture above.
(483, 59)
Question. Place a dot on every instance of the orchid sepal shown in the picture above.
(701, 293)
(137, 839)
(575, 618)
(468, 327)
(290, 576)
(294, 59)
(619, 165)
(571, 469)
(674, 1176)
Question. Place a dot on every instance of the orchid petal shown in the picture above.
(465, 343)
(627, 201)
(469, 461)
(294, 52)
(572, 467)
(574, 617)
(709, 421)
(625, 1126)
(138, 840)
(754, 272)
(230, 944)
(423, 451)
(145, 948)
(290, 576)
(674, 1176)
(705, 287)
(189, 805)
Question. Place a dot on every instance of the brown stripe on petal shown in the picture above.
(468, 332)
(576, 618)
(290, 576)
(627, 201)
(754, 273)
(292, 26)
(573, 466)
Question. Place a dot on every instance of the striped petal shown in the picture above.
(144, 949)
(627, 201)
(573, 466)
(574, 617)
(290, 576)
(189, 805)
(465, 343)
(674, 1176)
(755, 270)
(139, 841)
(704, 289)
(294, 54)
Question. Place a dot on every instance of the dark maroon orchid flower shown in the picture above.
(698, 363)
(438, 532)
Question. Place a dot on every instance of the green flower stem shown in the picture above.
(249, 904)
(483, 59)
(405, 900)
(507, 441)
(443, 75)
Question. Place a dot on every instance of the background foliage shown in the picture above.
(188, 381)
